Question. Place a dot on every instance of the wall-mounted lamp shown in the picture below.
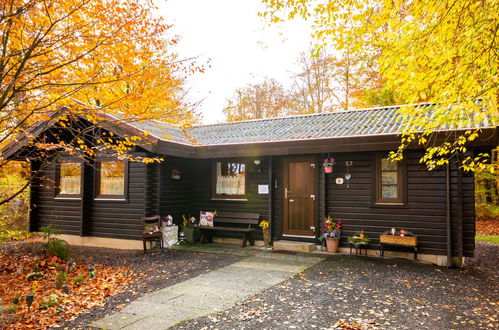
(257, 163)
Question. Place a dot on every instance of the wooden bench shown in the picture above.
(232, 222)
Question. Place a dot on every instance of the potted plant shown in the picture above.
(328, 164)
(332, 234)
(359, 238)
(191, 233)
(266, 232)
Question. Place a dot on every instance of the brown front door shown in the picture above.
(299, 196)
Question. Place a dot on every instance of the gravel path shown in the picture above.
(362, 293)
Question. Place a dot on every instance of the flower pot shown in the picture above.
(328, 169)
(332, 244)
(192, 234)
(266, 237)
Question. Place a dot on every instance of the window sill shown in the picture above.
(390, 205)
(229, 199)
(110, 199)
(62, 198)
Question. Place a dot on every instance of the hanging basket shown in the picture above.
(328, 169)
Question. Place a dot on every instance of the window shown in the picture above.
(69, 179)
(389, 182)
(111, 179)
(230, 179)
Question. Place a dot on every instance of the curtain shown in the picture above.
(230, 179)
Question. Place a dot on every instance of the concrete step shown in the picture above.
(294, 246)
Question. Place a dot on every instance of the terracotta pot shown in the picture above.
(332, 244)
(266, 237)
(328, 169)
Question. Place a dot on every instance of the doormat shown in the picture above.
(285, 252)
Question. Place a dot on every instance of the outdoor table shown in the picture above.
(358, 247)
(170, 235)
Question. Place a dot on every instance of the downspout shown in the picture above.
(447, 215)
(271, 188)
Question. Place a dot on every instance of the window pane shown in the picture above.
(389, 192)
(388, 165)
(230, 178)
(389, 177)
(112, 178)
(70, 178)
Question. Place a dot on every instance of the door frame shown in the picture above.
(313, 160)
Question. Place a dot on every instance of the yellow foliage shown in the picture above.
(443, 52)
(87, 56)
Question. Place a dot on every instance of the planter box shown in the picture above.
(400, 240)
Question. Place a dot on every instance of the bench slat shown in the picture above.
(226, 228)
(230, 220)
(237, 215)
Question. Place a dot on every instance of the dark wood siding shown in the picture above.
(277, 192)
(424, 214)
(201, 190)
(61, 214)
(122, 219)
(103, 218)
(174, 195)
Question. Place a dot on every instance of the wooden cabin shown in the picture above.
(272, 167)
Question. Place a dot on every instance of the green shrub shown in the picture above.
(79, 279)
(59, 248)
(34, 276)
(486, 211)
(12, 308)
(50, 301)
(16, 300)
(55, 246)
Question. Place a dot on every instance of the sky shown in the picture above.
(239, 46)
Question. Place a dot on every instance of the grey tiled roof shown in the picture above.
(363, 122)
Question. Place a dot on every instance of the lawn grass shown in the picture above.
(487, 238)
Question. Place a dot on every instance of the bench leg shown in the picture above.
(250, 238)
(415, 253)
(203, 237)
(144, 243)
(245, 240)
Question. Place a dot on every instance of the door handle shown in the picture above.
(313, 197)
(286, 192)
(291, 200)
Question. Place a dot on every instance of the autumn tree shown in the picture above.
(313, 90)
(85, 58)
(443, 52)
(255, 101)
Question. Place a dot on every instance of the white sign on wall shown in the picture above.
(263, 189)
(339, 180)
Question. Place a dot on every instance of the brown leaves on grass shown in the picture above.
(52, 306)
(488, 226)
